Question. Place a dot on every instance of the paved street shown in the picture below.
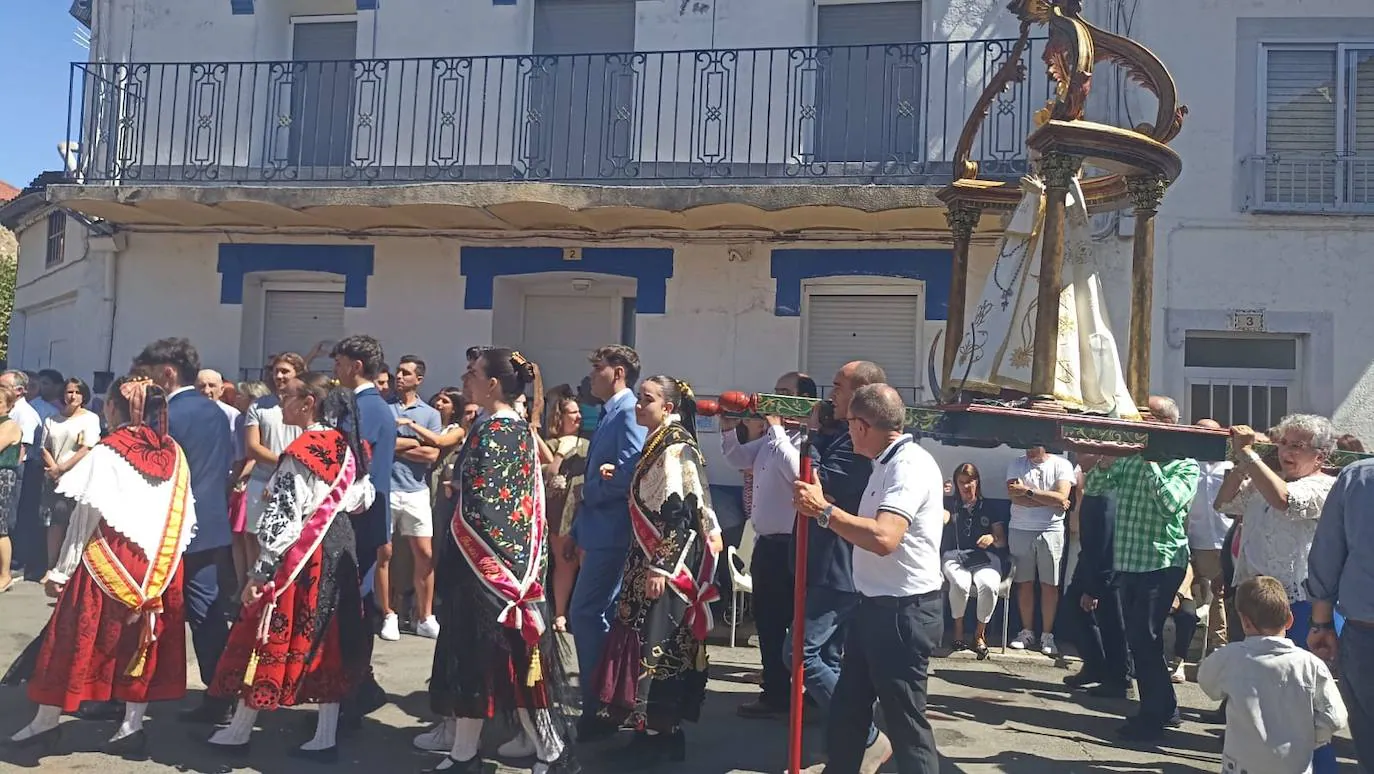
(1005, 715)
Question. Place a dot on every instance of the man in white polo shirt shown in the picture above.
(896, 537)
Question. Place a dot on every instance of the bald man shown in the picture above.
(210, 383)
(1206, 534)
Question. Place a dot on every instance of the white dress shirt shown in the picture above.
(1207, 527)
(28, 420)
(774, 461)
(1281, 704)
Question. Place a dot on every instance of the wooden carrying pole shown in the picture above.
(803, 531)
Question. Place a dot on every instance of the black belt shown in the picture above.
(914, 599)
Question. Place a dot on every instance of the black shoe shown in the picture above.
(327, 755)
(1110, 691)
(676, 745)
(591, 728)
(958, 645)
(227, 750)
(761, 708)
(46, 742)
(473, 765)
(100, 710)
(211, 712)
(644, 751)
(133, 747)
(1080, 679)
(1140, 731)
(566, 764)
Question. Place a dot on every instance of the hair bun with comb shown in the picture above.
(522, 366)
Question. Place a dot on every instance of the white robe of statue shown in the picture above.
(998, 341)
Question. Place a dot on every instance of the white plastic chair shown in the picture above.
(741, 581)
(1004, 594)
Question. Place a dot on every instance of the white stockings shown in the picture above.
(326, 728)
(239, 730)
(46, 720)
(133, 720)
(467, 737)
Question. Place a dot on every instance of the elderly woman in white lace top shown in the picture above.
(1279, 509)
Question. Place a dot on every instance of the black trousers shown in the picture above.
(1101, 635)
(887, 659)
(772, 571)
(1146, 600)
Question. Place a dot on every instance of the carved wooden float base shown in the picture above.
(984, 425)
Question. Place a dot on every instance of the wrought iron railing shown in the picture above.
(889, 113)
(1322, 184)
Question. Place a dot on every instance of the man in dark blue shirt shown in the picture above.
(830, 595)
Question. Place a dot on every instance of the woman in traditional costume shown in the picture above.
(118, 631)
(302, 637)
(653, 669)
(498, 655)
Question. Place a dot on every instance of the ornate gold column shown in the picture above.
(1146, 194)
(962, 219)
(1058, 170)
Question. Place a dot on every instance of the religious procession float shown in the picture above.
(1011, 375)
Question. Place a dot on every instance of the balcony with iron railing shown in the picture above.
(1314, 184)
(880, 114)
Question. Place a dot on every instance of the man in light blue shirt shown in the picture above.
(411, 512)
(601, 528)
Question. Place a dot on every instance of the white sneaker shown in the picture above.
(428, 628)
(1176, 673)
(1047, 645)
(1023, 640)
(391, 628)
(520, 746)
(437, 739)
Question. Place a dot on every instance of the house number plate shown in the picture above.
(1248, 320)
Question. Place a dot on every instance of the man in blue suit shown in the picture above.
(202, 430)
(601, 529)
(357, 362)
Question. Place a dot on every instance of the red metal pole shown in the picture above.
(794, 742)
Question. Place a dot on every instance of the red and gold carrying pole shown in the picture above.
(740, 403)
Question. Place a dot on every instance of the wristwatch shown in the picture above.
(1318, 626)
(824, 518)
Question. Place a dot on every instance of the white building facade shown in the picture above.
(738, 188)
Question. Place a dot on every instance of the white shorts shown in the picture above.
(254, 504)
(411, 514)
(1035, 553)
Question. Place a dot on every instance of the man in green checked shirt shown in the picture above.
(1150, 559)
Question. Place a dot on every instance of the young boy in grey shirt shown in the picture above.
(1282, 703)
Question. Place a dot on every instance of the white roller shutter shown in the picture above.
(297, 320)
(883, 329)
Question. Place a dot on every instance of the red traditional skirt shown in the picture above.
(297, 664)
(91, 643)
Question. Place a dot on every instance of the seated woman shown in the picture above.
(119, 627)
(302, 636)
(653, 667)
(977, 557)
